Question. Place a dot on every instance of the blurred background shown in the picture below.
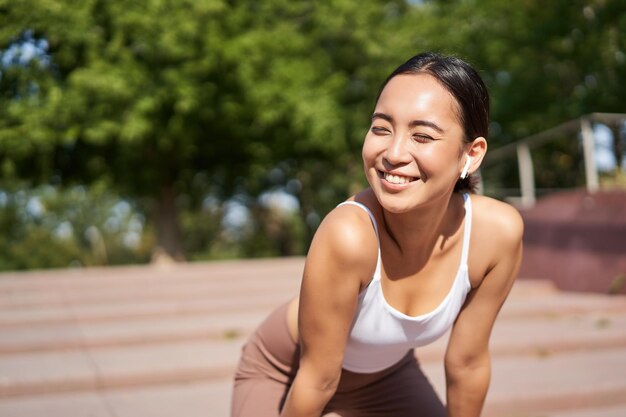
(146, 131)
(141, 142)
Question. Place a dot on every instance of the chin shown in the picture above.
(397, 205)
(403, 203)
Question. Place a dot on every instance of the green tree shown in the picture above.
(544, 62)
(47, 227)
(149, 94)
(174, 101)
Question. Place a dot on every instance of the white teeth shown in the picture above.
(396, 179)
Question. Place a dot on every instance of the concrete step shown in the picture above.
(196, 399)
(128, 357)
(530, 385)
(559, 304)
(146, 341)
(81, 370)
(128, 276)
(562, 382)
(137, 309)
(99, 361)
(131, 331)
(243, 297)
(593, 329)
(101, 289)
(610, 411)
(206, 289)
(540, 336)
(192, 399)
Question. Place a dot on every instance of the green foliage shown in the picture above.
(274, 233)
(545, 63)
(169, 102)
(147, 95)
(49, 227)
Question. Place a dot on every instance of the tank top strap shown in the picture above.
(375, 224)
(467, 229)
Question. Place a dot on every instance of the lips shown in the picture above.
(395, 178)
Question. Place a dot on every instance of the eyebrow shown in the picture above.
(413, 123)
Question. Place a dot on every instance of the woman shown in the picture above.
(396, 267)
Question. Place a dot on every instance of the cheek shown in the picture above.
(430, 157)
(368, 151)
(435, 159)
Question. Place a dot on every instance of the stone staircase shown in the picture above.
(163, 341)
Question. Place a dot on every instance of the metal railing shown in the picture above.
(522, 149)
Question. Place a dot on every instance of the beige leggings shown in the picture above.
(269, 363)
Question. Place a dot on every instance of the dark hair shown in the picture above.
(465, 85)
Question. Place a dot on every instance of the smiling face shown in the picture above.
(413, 151)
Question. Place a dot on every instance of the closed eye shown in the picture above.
(379, 130)
(422, 138)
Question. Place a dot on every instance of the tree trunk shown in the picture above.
(169, 246)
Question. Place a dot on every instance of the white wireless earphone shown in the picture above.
(468, 162)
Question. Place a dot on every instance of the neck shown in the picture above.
(420, 232)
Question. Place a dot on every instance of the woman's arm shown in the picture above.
(467, 361)
(342, 257)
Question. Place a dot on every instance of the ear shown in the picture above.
(475, 150)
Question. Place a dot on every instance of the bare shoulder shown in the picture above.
(498, 220)
(346, 240)
(497, 230)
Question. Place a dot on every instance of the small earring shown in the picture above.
(468, 162)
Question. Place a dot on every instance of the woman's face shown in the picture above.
(413, 151)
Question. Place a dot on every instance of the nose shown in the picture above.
(397, 152)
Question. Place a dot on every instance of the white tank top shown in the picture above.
(381, 335)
